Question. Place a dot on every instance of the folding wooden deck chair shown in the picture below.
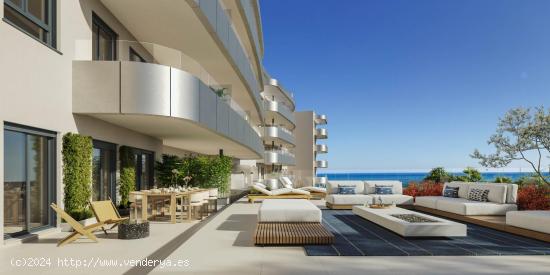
(79, 230)
(106, 212)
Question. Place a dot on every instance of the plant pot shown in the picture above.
(65, 227)
(124, 212)
(133, 230)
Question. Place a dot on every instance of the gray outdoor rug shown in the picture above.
(355, 236)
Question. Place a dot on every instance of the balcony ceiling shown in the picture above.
(175, 24)
(180, 133)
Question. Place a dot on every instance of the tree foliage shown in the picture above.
(77, 174)
(470, 175)
(438, 175)
(127, 174)
(520, 131)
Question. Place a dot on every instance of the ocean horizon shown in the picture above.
(407, 177)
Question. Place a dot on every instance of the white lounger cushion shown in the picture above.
(427, 201)
(262, 190)
(370, 186)
(289, 210)
(466, 207)
(287, 191)
(359, 199)
(287, 183)
(395, 198)
(532, 220)
(313, 189)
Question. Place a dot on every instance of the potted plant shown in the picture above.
(77, 176)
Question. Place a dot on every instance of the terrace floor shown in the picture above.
(223, 245)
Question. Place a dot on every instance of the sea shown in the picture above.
(405, 177)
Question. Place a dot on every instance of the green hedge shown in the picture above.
(205, 171)
(77, 174)
(127, 175)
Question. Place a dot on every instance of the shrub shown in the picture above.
(205, 171)
(426, 188)
(533, 197)
(77, 174)
(438, 174)
(500, 179)
(127, 175)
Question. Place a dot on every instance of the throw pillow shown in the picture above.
(383, 189)
(478, 195)
(450, 192)
(346, 189)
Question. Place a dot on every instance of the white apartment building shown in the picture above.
(158, 77)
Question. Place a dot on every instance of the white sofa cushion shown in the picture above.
(358, 199)
(370, 186)
(465, 207)
(332, 186)
(427, 201)
(289, 210)
(512, 193)
(532, 220)
(497, 191)
(463, 188)
(398, 199)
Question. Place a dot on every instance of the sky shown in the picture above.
(409, 85)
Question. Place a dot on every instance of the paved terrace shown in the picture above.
(223, 245)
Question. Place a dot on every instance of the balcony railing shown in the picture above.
(279, 133)
(145, 52)
(281, 109)
(220, 23)
(321, 133)
(281, 157)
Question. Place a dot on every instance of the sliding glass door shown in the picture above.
(144, 169)
(29, 161)
(104, 171)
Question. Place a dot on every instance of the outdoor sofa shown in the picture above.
(364, 192)
(501, 199)
(536, 220)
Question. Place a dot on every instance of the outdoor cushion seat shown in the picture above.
(313, 189)
(289, 210)
(466, 207)
(357, 199)
(394, 198)
(532, 220)
(370, 186)
(333, 186)
(427, 201)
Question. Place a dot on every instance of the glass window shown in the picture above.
(35, 17)
(134, 56)
(103, 171)
(103, 40)
(28, 180)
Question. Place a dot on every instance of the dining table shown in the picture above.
(173, 196)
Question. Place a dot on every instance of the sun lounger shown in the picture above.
(283, 193)
(317, 192)
(106, 212)
(79, 229)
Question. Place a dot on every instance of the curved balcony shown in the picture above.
(321, 119)
(321, 133)
(201, 29)
(321, 164)
(273, 90)
(278, 135)
(165, 103)
(279, 157)
(321, 148)
(280, 113)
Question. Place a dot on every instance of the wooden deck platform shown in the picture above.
(493, 222)
(273, 233)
